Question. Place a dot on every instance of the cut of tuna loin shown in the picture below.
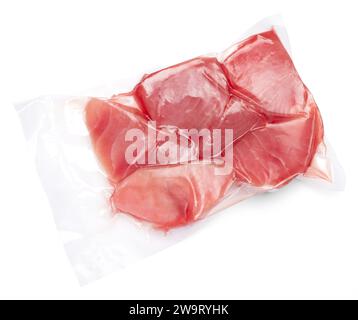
(108, 124)
(171, 196)
(192, 94)
(275, 154)
(261, 69)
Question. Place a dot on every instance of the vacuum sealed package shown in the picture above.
(131, 173)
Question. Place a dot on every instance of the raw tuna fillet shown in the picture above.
(108, 124)
(261, 70)
(192, 94)
(273, 155)
(171, 196)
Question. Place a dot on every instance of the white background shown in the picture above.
(300, 242)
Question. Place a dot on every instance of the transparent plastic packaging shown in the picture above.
(112, 210)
